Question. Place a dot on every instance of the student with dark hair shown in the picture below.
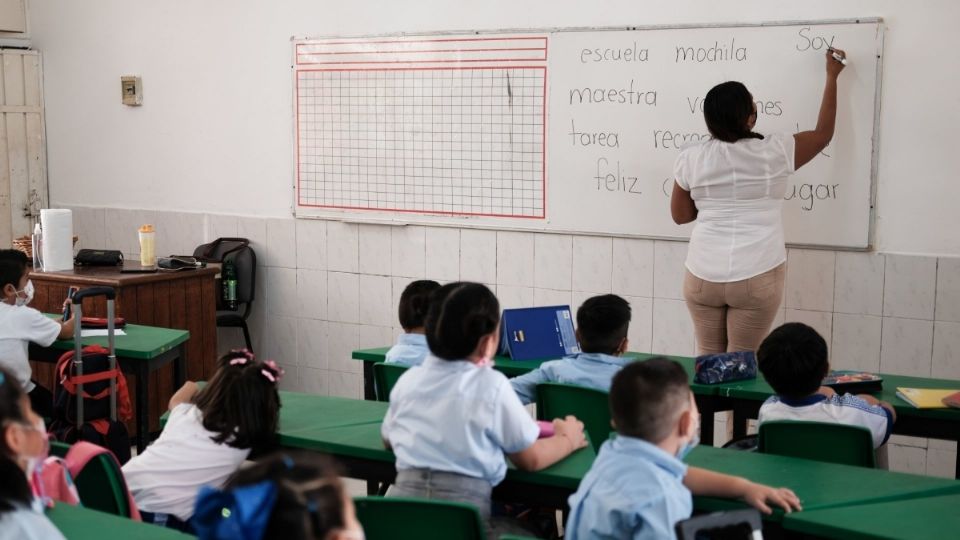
(209, 433)
(793, 359)
(411, 347)
(639, 487)
(452, 419)
(602, 324)
(733, 186)
(286, 495)
(21, 324)
(23, 439)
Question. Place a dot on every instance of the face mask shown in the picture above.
(28, 291)
(688, 446)
(33, 461)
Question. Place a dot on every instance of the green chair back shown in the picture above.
(589, 405)
(834, 443)
(418, 519)
(384, 377)
(100, 483)
(515, 537)
(101, 487)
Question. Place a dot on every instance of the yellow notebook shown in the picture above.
(924, 398)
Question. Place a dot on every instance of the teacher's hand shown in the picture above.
(834, 67)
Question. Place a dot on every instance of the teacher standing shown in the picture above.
(733, 185)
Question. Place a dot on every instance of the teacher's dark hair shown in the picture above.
(460, 315)
(14, 489)
(726, 109)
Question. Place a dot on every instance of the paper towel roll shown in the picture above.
(57, 239)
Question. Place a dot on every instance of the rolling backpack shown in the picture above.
(91, 391)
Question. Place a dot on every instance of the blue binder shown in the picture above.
(538, 333)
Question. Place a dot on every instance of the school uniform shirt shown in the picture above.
(846, 409)
(456, 417)
(633, 490)
(19, 325)
(593, 370)
(165, 478)
(410, 350)
(738, 189)
(26, 523)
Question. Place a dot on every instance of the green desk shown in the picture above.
(819, 485)
(744, 398)
(350, 431)
(357, 444)
(78, 523)
(143, 350)
(920, 518)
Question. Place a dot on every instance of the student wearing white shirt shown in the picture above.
(733, 185)
(23, 438)
(210, 432)
(21, 324)
(452, 419)
(411, 347)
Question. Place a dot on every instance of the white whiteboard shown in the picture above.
(571, 130)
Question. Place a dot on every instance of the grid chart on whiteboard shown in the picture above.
(434, 127)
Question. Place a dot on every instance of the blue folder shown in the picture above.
(538, 333)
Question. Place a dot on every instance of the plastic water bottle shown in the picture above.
(148, 252)
(230, 284)
(36, 244)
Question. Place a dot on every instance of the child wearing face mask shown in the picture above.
(639, 487)
(21, 324)
(23, 440)
(452, 419)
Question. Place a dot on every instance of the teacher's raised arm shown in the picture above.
(732, 186)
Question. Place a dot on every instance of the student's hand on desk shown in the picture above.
(572, 429)
(760, 497)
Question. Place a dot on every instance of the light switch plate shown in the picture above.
(132, 90)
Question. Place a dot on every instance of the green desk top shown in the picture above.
(758, 390)
(307, 413)
(926, 517)
(78, 523)
(139, 343)
(818, 484)
(356, 435)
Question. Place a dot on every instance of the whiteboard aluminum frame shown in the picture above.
(469, 222)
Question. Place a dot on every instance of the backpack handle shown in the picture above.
(109, 292)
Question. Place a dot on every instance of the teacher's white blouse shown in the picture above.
(738, 189)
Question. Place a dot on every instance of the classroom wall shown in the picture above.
(210, 154)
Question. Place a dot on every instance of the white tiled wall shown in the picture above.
(326, 288)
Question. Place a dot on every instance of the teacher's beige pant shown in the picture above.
(733, 316)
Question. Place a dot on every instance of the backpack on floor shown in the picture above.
(97, 426)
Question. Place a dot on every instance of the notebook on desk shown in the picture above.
(925, 398)
(537, 333)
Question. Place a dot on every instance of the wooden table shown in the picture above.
(184, 300)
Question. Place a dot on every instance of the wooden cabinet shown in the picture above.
(183, 300)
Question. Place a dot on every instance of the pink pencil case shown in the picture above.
(546, 429)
